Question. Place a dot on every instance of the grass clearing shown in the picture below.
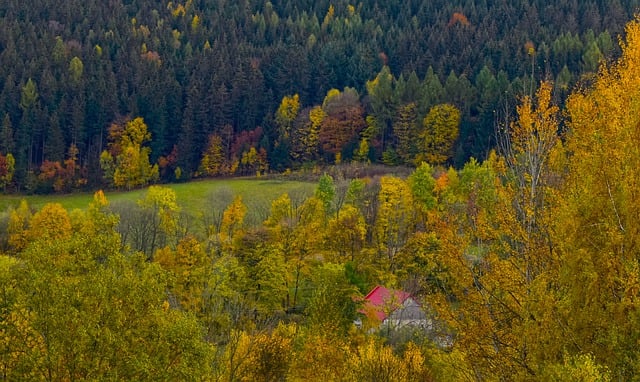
(193, 197)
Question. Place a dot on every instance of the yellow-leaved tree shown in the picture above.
(394, 220)
(189, 267)
(213, 160)
(600, 276)
(287, 113)
(440, 131)
(74, 307)
(232, 227)
(126, 162)
(497, 253)
(17, 227)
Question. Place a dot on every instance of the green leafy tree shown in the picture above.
(423, 190)
(326, 192)
(331, 308)
(383, 102)
(29, 95)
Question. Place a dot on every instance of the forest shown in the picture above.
(519, 247)
(526, 261)
(271, 86)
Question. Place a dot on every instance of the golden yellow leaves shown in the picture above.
(395, 218)
(232, 226)
(258, 357)
(536, 131)
(286, 113)
(372, 361)
(50, 223)
(161, 201)
(126, 163)
(439, 134)
(213, 159)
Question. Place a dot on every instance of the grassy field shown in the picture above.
(193, 197)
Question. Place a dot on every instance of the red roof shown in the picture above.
(382, 302)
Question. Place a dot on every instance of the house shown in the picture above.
(395, 309)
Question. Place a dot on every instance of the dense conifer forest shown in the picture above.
(474, 164)
(214, 73)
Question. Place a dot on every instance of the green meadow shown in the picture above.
(194, 197)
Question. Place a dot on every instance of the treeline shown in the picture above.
(69, 70)
(527, 261)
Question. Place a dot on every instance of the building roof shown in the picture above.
(381, 302)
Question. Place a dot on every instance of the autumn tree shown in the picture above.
(77, 308)
(406, 132)
(305, 134)
(344, 120)
(189, 266)
(213, 160)
(346, 233)
(217, 201)
(254, 161)
(168, 163)
(394, 219)
(296, 233)
(232, 226)
(261, 356)
(126, 162)
(495, 253)
(599, 237)
(161, 205)
(52, 223)
(225, 301)
(533, 145)
(18, 226)
(7, 168)
(150, 222)
(286, 114)
(478, 277)
(321, 357)
(377, 362)
(440, 131)
(64, 176)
